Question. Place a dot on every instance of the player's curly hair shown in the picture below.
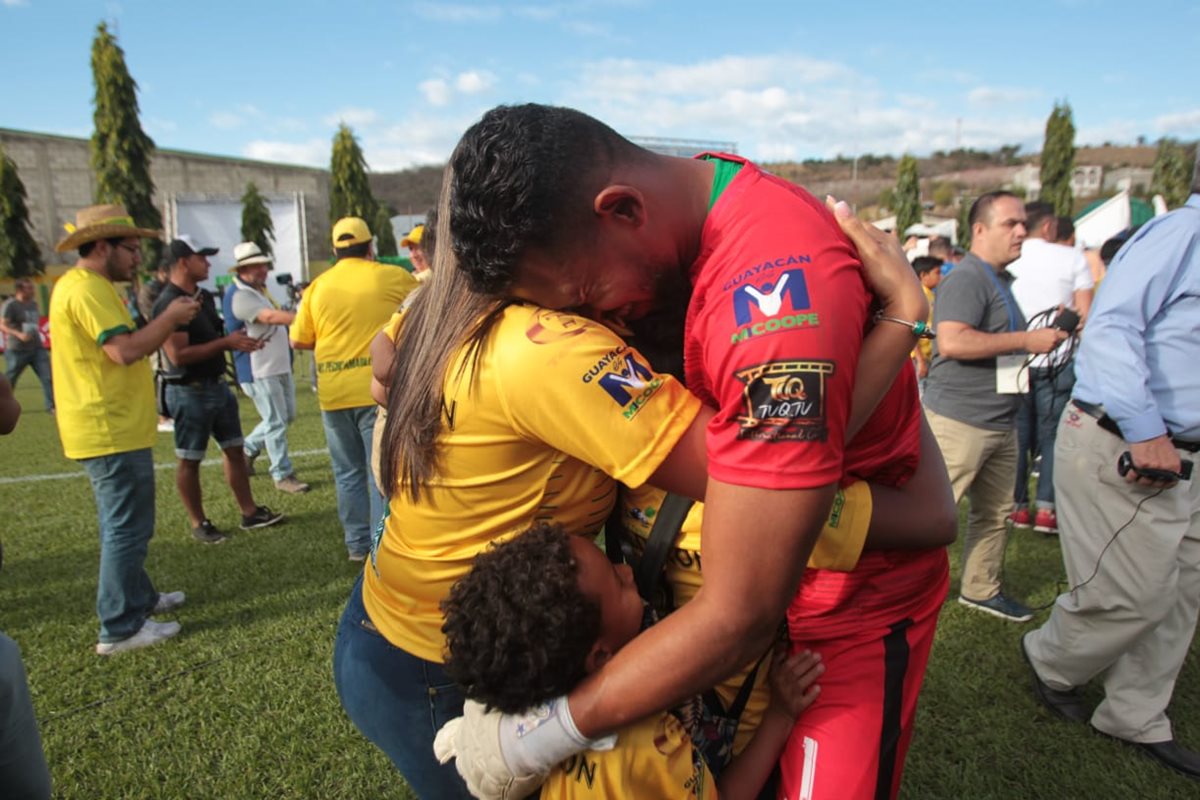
(524, 177)
(518, 629)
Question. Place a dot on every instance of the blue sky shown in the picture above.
(784, 80)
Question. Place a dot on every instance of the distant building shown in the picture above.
(1135, 180)
(1087, 180)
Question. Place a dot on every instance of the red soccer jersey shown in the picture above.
(775, 325)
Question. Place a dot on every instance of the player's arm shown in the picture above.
(128, 347)
(732, 618)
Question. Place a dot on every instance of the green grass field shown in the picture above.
(242, 705)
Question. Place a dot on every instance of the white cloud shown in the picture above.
(437, 91)
(474, 81)
(1185, 122)
(313, 153)
(15, 3)
(354, 117)
(992, 96)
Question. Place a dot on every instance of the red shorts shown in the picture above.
(873, 628)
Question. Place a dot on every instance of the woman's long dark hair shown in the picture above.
(445, 316)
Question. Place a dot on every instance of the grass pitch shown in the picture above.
(241, 704)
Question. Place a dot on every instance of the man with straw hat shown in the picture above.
(104, 393)
(265, 375)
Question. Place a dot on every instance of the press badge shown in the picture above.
(1012, 375)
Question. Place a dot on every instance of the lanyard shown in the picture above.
(1007, 297)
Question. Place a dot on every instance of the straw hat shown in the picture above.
(109, 221)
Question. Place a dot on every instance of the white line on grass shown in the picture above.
(60, 476)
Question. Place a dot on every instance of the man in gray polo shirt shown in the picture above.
(970, 396)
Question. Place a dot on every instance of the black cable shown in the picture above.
(1099, 558)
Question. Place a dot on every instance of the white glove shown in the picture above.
(507, 757)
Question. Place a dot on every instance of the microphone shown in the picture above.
(1067, 321)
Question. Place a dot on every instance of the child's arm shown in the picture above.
(793, 689)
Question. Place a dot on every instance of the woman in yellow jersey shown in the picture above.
(509, 415)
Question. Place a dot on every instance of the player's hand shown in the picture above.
(793, 681)
(1156, 453)
(473, 741)
(242, 342)
(885, 267)
(181, 310)
(1043, 340)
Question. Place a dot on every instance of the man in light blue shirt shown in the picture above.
(1130, 542)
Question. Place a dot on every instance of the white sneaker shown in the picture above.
(166, 426)
(151, 633)
(168, 601)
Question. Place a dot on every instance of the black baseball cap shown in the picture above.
(184, 247)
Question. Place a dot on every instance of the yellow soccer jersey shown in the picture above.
(839, 547)
(557, 407)
(340, 313)
(653, 758)
(102, 407)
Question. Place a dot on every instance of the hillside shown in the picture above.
(945, 176)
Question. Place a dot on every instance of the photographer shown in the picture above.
(1132, 544)
(265, 375)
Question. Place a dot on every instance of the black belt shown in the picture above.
(1109, 424)
(195, 381)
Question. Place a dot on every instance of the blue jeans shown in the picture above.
(123, 484)
(360, 505)
(275, 399)
(17, 360)
(396, 700)
(1037, 428)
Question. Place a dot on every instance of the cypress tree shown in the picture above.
(1058, 159)
(349, 192)
(121, 150)
(19, 253)
(385, 237)
(906, 199)
(257, 226)
(964, 228)
(1172, 172)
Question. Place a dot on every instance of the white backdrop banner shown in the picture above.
(217, 222)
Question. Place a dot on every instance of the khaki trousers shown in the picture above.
(1135, 619)
(982, 466)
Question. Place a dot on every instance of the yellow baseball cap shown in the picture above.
(349, 231)
(413, 237)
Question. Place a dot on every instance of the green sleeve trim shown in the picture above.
(724, 174)
(111, 332)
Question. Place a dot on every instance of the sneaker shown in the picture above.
(168, 601)
(1046, 522)
(151, 633)
(250, 459)
(1020, 517)
(207, 532)
(1000, 606)
(358, 556)
(292, 485)
(166, 426)
(261, 518)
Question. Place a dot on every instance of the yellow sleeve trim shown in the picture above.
(841, 542)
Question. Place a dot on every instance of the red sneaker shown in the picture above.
(1020, 517)
(1046, 522)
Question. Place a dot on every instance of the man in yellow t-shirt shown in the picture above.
(339, 315)
(104, 393)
